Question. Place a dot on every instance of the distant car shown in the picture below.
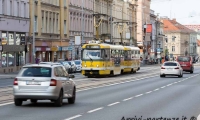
(186, 63)
(171, 68)
(78, 65)
(44, 82)
(73, 66)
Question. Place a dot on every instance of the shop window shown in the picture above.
(4, 38)
(21, 58)
(17, 38)
(11, 59)
(4, 60)
(11, 39)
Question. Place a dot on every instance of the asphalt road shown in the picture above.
(151, 97)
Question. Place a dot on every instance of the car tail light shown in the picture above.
(15, 82)
(176, 68)
(53, 82)
(162, 68)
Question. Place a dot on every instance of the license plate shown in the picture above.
(33, 83)
(183, 65)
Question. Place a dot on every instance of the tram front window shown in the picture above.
(92, 54)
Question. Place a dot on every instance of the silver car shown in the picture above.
(78, 65)
(44, 82)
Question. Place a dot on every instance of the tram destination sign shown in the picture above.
(93, 46)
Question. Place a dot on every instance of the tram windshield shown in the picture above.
(92, 54)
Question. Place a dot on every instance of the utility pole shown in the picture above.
(33, 45)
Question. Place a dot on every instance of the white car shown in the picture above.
(171, 68)
(44, 82)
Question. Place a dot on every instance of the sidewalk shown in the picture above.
(8, 75)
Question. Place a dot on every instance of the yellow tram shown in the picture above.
(100, 59)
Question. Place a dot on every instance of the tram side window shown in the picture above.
(133, 54)
(107, 52)
(112, 53)
(137, 55)
(129, 54)
(122, 53)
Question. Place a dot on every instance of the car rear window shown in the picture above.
(35, 72)
(77, 62)
(170, 64)
(184, 59)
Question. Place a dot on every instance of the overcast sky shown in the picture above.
(182, 10)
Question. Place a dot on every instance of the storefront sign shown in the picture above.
(48, 49)
(4, 41)
(54, 48)
(38, 49)
(13, 48)
(69, 48)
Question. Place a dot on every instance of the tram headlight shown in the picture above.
(85, 66)
(97, 65)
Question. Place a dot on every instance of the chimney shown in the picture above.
(174, 19)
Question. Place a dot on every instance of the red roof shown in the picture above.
(174, 26)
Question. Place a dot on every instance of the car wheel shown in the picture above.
(33, 101)
(191, 72)
(73, 98)
(18, 102)
(59, 101)
(162, 75)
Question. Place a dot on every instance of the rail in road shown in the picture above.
(6, 93)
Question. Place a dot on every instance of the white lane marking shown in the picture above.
(169, 84)
(148, 92)
(91, 111)
(113, 103)
(156, 89)
(163, 86)
(175, 82)
(71, 118)
(139, 95)
(128, 99)
(116, 83)
(6, 103)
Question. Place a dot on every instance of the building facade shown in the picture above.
(177, 38)
(51, 25)
(194, 37)
(143, 18)
(79, 23)
(14, 27)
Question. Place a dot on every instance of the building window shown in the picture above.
(65, 27)
(25, 10)
(35, 24)
(11, 39)
(65, 3)
(173, 48)
(173, 38)
(18, 8)
(3, 7)
(11, 8)
(46, 23)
